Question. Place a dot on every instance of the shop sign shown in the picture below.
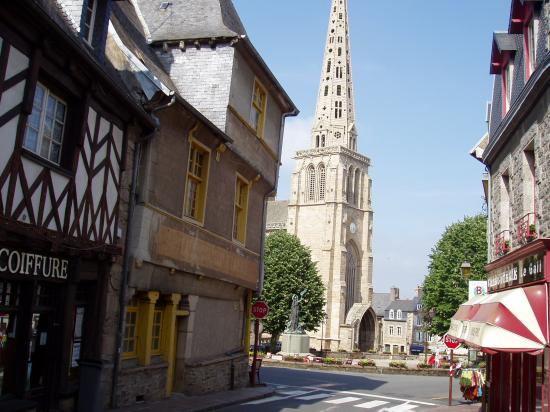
(33, 264)
(528, 270)
(477, 288)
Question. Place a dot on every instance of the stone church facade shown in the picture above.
(329, 208)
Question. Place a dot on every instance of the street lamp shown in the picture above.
(466, 269)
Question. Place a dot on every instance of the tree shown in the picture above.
(289, 271)
(445, 288)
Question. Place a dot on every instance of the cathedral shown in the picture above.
(329, 208)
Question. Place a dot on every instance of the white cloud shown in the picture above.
(297, 137)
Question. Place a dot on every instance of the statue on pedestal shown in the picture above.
(294, 325)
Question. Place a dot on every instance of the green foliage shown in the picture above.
(366, 362)
(423, 366)
(331, 361)
(289, 270)
(292, 358)
(445, 288)
(398, 365)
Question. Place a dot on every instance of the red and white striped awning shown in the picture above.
(514, 320)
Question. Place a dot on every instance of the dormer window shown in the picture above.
(530, 37)
(392, 314)
(507, 84)
(89, 13)
(524, 20)
(502, 62)
(399, 314)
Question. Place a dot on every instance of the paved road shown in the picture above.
(313, 390)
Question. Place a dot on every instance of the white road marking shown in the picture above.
(266, 400)
(293, 393)
(343, 400)
(316, 396)
(371, 404)
(402, 407)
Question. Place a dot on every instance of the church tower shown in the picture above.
(330, 205)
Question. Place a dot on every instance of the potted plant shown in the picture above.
(506, 247)
(532, 231)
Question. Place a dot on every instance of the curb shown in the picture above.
(232, 402)
(368, 369)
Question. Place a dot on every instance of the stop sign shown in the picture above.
(450, 342)
(260, 309)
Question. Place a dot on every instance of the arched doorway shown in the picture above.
(367, 331)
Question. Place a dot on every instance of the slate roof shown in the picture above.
(191, 19)
(406, 305)
(277, 214)
(380, 302)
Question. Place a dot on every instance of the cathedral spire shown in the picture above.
(335, 114)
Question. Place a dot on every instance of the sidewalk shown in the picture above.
(474, 407)
(209, 402)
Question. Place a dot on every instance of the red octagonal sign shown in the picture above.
(260, 309)
(450, 342)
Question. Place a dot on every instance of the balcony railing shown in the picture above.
(502, 243)
(527, 228)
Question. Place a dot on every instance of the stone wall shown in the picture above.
(146, 383)
(214, 376)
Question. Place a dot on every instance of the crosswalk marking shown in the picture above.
(316, 396)
(402, 407)
(293, 393)
(371, 404)
(343, 400)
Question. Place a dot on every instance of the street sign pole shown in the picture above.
(256, 339)
(451, 379)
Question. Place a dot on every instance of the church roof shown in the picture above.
(277, 214)
(190, 19)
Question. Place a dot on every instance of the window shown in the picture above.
(391, 329)
(338, 90)
(329, 65)
(351, 274)
(311, 183)
(392, 314)
(505, 205)
(157, 331)
(197, 177)
(399, 331)
(507, 80)
(88, 20)
(337, 135)
(418, 320)
(339, 51)
(399, 314)
(529, 182)
(530, 36)
(241, 209)
(326, 90)
(338, 110)
(46, 124)
(129, 341)
(317, 141)
(322, 182)
(259, 102)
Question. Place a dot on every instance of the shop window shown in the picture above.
(9, 294)
(129, 341)
(241, 208)
(259, 103)
(157, 331)
(197, 177)
(46, 125)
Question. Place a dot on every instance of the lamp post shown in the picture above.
(466, 270)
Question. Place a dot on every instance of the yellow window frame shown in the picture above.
(156, 336)
(240, 211)
(130, 331)
(259, 104)
(197, 181)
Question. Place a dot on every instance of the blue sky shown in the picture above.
(421, 76)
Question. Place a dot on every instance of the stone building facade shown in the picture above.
(329, 208)
(516, 152)
(199, 199)
(400, 324)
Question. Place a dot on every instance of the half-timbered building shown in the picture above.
(65, 124)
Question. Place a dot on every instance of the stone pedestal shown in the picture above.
(295, 343)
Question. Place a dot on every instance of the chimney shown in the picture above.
(419, 291)
(394, 294)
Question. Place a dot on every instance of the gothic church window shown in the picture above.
(349, 185)
(356, 187)
(323, 141)
(351, 272)
(338, 90)
(317, 141)
(326, 90)
(339, 51)
(311, 183)
(322, 182)
(329, 63)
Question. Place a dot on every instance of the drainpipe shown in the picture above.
(127, 244)
(271, 192)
